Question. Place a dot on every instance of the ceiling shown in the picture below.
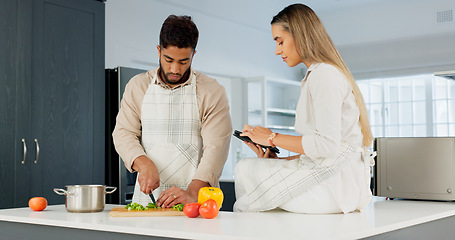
(348, 21)
(372, 35)
(331, 5)
(258, 13)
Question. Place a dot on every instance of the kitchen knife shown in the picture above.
(153, 199)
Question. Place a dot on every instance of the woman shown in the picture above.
(331, 173)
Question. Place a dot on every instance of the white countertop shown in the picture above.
(380, 216)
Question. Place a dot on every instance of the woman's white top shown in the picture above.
(334, 164)
(327, 112)
(326, 116)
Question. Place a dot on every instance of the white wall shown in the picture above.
(376, 38)
(225, 47)
(394, 37)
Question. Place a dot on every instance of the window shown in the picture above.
(413, 106)
(444, 107)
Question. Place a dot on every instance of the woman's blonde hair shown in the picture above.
(313, 43)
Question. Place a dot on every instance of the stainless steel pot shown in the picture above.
(85, 198)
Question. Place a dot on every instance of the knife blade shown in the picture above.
(153, 199)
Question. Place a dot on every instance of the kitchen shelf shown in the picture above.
(279, 111)
(286, 112)
(254, 111)
(277, 127)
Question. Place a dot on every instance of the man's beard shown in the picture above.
(182, 79)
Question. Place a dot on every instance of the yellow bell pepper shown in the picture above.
(207, 193)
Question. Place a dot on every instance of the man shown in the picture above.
(173, 126)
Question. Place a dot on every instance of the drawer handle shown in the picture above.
(37, 150)
(25, 150)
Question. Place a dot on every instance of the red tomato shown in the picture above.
(209, 209)
(37, 203)
(191, 209)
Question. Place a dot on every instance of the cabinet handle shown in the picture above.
(37, 150)
(25, 151)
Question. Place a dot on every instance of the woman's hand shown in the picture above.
(259, 135)
(260, 152)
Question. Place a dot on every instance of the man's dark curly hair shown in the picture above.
(179, 31)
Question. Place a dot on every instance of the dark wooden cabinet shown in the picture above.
(8, 46)
(51, 99)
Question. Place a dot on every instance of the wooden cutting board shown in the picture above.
(123, 212)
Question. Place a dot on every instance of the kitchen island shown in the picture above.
(382, 219)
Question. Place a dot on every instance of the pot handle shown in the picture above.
(60, 191)
(113, 190)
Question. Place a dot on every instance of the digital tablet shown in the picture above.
(247, 139)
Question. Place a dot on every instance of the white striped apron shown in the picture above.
(271, 182)
(170, 135)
